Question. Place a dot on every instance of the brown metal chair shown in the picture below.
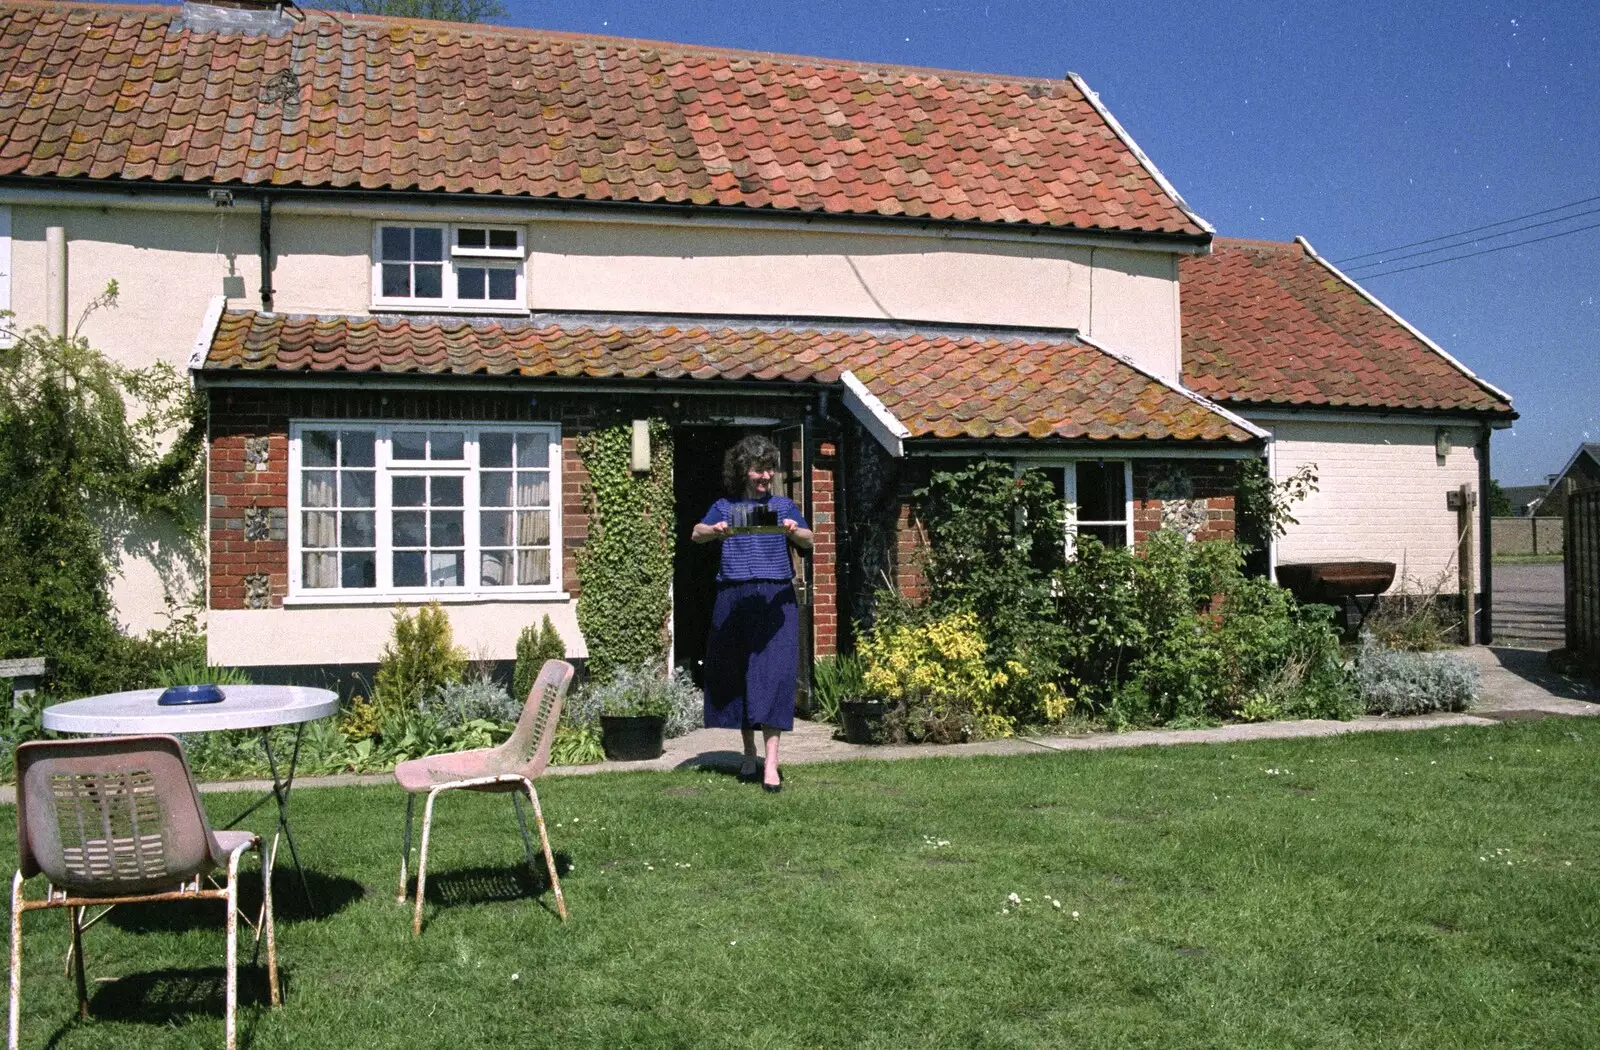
(510, 767)
(118, 820)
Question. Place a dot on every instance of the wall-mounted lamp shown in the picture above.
(1441, 442)
(641, 446)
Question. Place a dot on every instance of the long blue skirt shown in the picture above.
(753, 656)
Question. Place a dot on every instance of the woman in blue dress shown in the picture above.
(753, 654)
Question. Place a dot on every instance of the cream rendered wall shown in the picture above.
(1381, 495)
(170, 262)
(167, 266)
(355, 634)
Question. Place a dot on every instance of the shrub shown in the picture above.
(936, 676)
(457, 703)
(419, 657)
(1394, 682)
(834, 678)
(997, 540)
(576, 746)
(73, 466)
(535, 645)
(644, 689)
(1413, 618)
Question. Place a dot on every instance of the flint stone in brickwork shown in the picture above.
(255, 453)
(1187, 516)
(257, 590)
(256, 523)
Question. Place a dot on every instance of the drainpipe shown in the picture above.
(266, 253)
(55, 276)
(1486, 541)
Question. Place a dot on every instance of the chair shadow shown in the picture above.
(330, 895)
(171, 996)
(484, 884)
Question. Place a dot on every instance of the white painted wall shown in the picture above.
(1381, 495)
(355, 634)
(170, 262)
(5, 271)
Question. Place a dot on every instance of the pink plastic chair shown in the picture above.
(118, 820)
(512, 767)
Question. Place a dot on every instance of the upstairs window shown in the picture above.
(449, 267)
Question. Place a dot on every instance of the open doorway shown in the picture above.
(697, 483)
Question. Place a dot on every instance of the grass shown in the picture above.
(1527, 559)
(1417, 889)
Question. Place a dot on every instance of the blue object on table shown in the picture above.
(190, 694)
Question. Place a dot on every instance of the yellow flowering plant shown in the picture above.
(936, 677)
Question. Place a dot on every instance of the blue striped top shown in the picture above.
(764, 556)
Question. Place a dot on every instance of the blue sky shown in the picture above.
(1360, 126)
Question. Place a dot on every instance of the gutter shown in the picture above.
(308, 200)
(265, 243)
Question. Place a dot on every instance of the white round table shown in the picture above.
(242, 707)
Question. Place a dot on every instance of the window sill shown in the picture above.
(464, 309)
(493, 597)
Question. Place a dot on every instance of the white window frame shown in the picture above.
(500, 258)
(1069, 488)
(386, 469)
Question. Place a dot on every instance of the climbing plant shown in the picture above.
(625, 564)
(74, 464)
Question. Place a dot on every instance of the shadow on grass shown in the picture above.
(726, 762)
(330, 893)
(489, 883)
(172, 996)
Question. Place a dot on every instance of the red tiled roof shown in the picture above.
(1271, 324)
(940, 385)
(357, 102)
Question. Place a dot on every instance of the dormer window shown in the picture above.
(449, 266)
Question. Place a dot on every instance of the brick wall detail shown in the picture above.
(1193, 496)
(824, 551)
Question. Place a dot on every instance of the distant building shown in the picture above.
(1525, 499)
(1581, 472)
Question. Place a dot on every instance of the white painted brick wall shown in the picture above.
(1381, 495)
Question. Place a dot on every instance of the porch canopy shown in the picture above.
(909, 384)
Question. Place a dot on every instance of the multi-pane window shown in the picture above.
(1099, 499)
(338, 531)
(448, 266)
(394, 509)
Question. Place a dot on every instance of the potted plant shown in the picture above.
(839, 688)
(638, 708)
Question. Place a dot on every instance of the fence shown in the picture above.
(1583, 574)
(1527, 535)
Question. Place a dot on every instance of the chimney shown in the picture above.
(266, 17)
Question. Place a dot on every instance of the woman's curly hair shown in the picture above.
(752, 452)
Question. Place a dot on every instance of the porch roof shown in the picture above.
(938, 383)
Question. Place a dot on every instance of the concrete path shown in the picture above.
(1529, 606)
(1517, 683)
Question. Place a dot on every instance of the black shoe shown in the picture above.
(773, 789)
(752, 777)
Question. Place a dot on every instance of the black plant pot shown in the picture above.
(633, 738)
(862, 721)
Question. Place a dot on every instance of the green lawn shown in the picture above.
(1383, 890)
